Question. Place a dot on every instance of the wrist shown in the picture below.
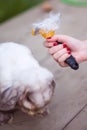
(83, 51)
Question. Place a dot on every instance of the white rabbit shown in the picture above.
(24, 84)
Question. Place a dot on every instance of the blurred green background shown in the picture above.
(76, 2)
(10, 8)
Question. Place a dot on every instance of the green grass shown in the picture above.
(10, 8)
(76, 2)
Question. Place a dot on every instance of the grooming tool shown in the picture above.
(47, 29)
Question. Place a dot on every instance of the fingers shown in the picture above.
(62, 64)
(71, 42)
(61, 60)
(61, 55)
(59, 38)
(55, 49)
(59, 52)
(48, 44)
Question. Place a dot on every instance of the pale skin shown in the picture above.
(70, 46)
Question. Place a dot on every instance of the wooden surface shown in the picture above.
(68, 109)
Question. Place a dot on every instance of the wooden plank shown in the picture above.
(71, 86)
(6, 127)
(69, 98)
(80, 122)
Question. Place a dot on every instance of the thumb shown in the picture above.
(71, 42)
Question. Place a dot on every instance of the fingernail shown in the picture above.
(68, 49)
(64, 45)
(69, 52)
(55, 44)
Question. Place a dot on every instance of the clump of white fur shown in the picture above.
(48, 24)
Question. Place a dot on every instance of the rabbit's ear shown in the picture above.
(8, 99)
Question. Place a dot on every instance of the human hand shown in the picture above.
(70, 45)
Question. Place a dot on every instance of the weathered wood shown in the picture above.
(80, 122)
(71, 86)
